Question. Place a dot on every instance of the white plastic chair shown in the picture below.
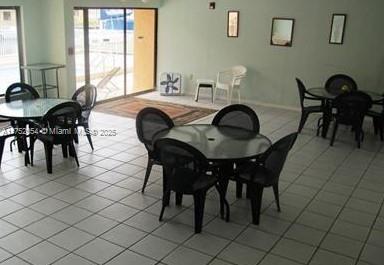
(230, 80)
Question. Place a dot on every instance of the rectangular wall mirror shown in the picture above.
(337, 29)
(233, 24)
(282, 31)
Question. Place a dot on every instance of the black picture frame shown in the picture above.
(275, 38)
(338, 23)
(233, 21)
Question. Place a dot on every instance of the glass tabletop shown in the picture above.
(219, 143)
(321, 92)
(28, 109)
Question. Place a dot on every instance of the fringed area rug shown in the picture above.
(130, 106)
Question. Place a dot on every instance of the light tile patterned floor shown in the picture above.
(332, 206)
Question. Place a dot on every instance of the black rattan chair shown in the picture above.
(351, 109)
(149, 122)
(306, 110)
(378, 119)
(239, 116)
(86, 96)
(19, 91)
(265, 173)
(185, 173)
(58, 127)
(340, 83)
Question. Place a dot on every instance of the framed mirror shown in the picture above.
(233, 24)
(282, 31)
(337, 28)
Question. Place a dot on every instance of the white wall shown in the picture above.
(193, 40)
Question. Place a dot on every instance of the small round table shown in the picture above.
(322, 93)
(220, 144)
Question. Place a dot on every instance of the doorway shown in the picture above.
(10, 47)
(115, 50)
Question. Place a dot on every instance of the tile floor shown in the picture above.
(332, 206)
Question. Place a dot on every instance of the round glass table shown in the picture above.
(219, 143)
(321, 92)
(29, 109)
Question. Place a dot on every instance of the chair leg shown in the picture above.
(334, 132)
(319, 126)
(223, 186)
(276, 193)
(304, 117)
(48, 156)
(248, 192)
(223, 203)
(179, 198)
(147, 173)
(199, 202)
(25, 148)
(256, 198)
(86, 128)
(76, 137)
(358, 136)
(375, 125)
(197, 92)
(165, 187)
(165, 203)
(2, 143)
(381, 129)
(239, 189)
(214, 94)
(72, 152)
(32, 148)
(64, 149)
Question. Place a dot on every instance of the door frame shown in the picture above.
(86, 48)
(20, 46)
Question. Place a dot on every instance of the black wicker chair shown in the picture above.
(265, 173)
(378, 119)
(86, 96)
(340, 83)
(306, 110)
(239, 116)
(185, 173)
(20, 91)
(351, 109)
(149, 122)
(58, 127)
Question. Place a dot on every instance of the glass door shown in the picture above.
(10, 47)
(106, 47)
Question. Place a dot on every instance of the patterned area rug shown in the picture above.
(130, 106)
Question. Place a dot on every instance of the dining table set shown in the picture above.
(26, 117)
(196, 157)
(341, 101)
(323, 94)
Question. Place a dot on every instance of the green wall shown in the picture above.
(192, 40)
